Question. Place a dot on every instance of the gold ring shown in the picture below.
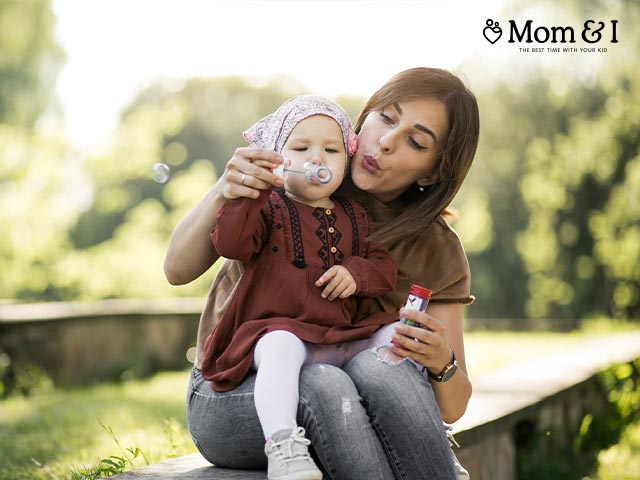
(242, 179)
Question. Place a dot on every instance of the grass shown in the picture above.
(85, 432)
(61, 430)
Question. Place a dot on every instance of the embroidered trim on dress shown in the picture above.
(348, 207)
(296, 234)
(271, 219)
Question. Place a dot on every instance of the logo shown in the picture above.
(591, 32)
(492, 32)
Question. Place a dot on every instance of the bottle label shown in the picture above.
(414, 303)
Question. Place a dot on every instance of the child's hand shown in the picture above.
(339, 283)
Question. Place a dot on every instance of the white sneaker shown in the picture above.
(461, 472)
(289, 457)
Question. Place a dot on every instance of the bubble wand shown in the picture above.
(312, 172)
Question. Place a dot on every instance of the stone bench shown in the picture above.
(552, 393)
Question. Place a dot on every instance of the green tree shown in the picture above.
(562, 183)
(582, 242)
(37, 173)
(30, 60)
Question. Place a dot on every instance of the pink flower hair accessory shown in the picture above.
(352, 143)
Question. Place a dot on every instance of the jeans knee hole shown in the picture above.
(386, 355)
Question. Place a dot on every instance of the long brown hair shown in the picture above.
(424, 207)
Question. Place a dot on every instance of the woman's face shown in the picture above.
(398, 146)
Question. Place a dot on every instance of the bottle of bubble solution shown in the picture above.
(418, 299)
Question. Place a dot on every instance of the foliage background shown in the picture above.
(549, 215)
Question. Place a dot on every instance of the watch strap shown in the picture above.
(447, 372)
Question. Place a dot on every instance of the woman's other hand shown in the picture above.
(249, 171)
(426, 345)
(190, 252)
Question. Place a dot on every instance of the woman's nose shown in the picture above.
(386, 143)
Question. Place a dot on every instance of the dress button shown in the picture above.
(328, 211)
(334, 249)
(331, 229)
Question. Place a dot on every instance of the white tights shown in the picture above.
(278, 358)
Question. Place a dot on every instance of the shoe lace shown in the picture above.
(284, 447)
(452, 440)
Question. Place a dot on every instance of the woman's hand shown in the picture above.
(443, 333)
(249, 171)
(339, 283)
(427, 345)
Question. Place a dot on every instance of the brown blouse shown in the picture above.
(435, 259)
(286, 247)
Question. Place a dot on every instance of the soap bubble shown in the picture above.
(160, 172)
(191, 354)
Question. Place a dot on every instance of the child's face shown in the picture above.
(317, 139)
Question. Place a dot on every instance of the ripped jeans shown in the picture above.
(369, 419)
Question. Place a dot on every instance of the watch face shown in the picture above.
(448, 373)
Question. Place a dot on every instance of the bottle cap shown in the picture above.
(421, 291)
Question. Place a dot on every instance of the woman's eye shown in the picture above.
(386, 118)
(416, 145)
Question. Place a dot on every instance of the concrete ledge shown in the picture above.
(521, 385)
(551, 394)
(190, 467)
(78, 342)
(51, 311)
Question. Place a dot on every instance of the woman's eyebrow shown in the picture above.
(426, 130)
(417, 126)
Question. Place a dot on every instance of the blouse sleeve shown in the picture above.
(435, 260)
(241, 227)
(374, 274)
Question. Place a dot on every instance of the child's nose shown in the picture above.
(317, 159)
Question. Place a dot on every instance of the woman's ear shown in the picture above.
(428, 180)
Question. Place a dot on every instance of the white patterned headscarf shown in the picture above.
(272, 131)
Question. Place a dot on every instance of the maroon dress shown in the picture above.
(287, 246)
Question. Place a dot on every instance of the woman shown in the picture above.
(371, 419)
